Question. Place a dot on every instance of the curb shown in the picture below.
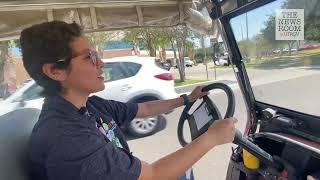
(199, 83)
(190, 87)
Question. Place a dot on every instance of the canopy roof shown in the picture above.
(100, 15)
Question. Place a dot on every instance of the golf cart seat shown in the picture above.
(16, 128)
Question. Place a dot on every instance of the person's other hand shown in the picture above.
(222, 131)
(197, 94)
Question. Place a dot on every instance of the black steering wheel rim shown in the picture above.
(229, 113)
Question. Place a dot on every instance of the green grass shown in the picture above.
(177, 82)
(309, 52)
(301, 58)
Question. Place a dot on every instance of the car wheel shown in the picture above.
(141, 127)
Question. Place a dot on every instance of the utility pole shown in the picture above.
(213, 45)
(205, 56)
(247, 26)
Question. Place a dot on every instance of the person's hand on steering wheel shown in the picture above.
(222, 131)
(197, 93)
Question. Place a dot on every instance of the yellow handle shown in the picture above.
(250, 161)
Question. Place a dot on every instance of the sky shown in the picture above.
(256, 19)
(16, 51)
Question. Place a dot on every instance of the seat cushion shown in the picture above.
(16, 128)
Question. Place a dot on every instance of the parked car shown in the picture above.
(165, 65)
(188, 62)
(175, 65)
(128, 79)
(223, 60)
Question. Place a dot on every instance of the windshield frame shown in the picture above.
(238, 60)
(254, 106)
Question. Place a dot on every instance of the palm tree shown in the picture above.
(162, 40)
(190, 49)
(99, 39)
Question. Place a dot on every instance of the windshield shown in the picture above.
(279, 44)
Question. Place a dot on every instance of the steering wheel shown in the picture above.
(211, 108)
(215, 114)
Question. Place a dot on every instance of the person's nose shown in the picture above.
(100, 63)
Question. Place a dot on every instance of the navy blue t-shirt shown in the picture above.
(66, 144)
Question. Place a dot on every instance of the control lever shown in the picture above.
(256, 151)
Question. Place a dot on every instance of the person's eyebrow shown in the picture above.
(82, 53)
(86, 51)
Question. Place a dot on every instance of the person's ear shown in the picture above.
(54, 73)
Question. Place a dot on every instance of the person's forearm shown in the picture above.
(175, 164)
(153, 108)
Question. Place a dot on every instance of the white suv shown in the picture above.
(188, 62)
(128, 79)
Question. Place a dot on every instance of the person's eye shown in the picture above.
(88, 56)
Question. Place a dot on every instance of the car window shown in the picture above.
(34, 92)
(120, 70)
(131, 68)
(280, 47)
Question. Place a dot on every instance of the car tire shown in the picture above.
(143, 127)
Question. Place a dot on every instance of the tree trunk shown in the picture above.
(152, 51)
(298, 44)
(174, 50)
(163, 54)
(290, 44)
(136, 48)
(180, 63)
(3, 57)
(191, 54)
(205, 56)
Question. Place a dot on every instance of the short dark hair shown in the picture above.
(47, 43)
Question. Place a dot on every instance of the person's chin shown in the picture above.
(101, 88)
(97, 89)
